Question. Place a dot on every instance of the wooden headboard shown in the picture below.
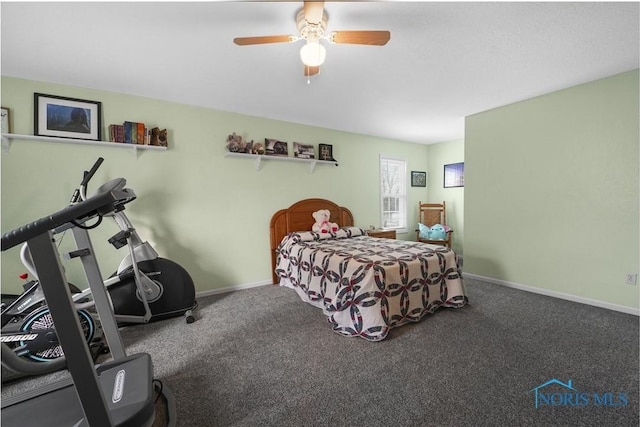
(298, 217)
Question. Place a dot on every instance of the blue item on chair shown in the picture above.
(437, 232)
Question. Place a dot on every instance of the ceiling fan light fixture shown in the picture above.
(313, 54)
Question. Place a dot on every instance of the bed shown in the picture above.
(365, 286)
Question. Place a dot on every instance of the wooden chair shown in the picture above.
(431, 214)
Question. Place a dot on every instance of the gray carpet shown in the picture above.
(262, 357)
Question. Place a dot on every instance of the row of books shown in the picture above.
(130, 133)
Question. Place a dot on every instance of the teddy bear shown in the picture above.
(159, 137)
(322, 224)
(235, 143)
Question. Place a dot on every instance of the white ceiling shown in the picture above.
(444, 61)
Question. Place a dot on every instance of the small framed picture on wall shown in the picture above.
(6, 120)
(454, 175)
(418, 179)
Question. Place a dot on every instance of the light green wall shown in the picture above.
(440, 155)
(551, 191)
(208, 212)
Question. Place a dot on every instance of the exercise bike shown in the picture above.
(144, 288)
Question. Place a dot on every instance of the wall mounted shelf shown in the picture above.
(258, 158)
(8, 138)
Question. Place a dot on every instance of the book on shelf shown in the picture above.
(137, 133)
(116, 133)
(147, 136)
(130, 133)
(140, 132)
(128, 128)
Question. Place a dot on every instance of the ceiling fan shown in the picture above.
(312, 24)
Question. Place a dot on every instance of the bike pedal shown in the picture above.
(79, 253)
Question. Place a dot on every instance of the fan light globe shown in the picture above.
(313, 54)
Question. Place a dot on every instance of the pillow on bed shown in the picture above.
(350, 232)
(342, 233)
(309, 236)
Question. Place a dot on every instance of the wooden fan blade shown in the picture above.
(244, 41)
(311, 71)
(313, 11)
(374, 38)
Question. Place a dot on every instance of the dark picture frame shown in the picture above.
(418, 179)
(454, 175)
(325, 152)
(64, 117)
(275, 147)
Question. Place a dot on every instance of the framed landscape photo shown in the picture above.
(454, 175)
(63, 117)
(418, 179)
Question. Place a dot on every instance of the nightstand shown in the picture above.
(382, 234)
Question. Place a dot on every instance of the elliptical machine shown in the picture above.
(145, 288)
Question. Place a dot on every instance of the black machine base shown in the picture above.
(178, 291)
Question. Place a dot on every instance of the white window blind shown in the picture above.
(393, 193)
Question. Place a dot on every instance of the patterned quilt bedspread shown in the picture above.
(365, 285)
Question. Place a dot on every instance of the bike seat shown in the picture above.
(109, 186)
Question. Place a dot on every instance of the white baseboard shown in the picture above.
(556, 294)
(541, 291)
(232, 288)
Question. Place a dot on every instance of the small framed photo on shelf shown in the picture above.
(64, 117)
(326, 152)
(454, 175)
(6, 120)
(303, 151)
(418, 179)
(276, 148)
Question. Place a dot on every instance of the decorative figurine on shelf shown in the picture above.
(159, 137)
(257, 148)
(236, 144)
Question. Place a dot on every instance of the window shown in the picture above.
(393, 193)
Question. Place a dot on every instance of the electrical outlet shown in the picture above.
(630, 278)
